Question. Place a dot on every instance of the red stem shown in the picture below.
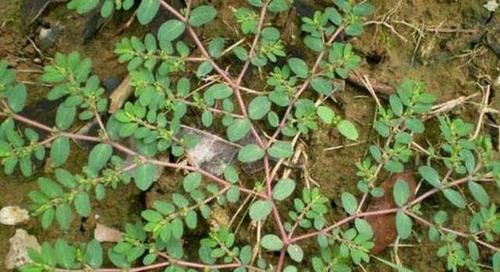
(303, 88)
(380, 212)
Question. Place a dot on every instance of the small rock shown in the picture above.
(103, 233)
(18, 251)
(48, 37)
(13, 215)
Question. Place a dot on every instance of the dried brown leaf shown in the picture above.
(384, 226)
(120, 95)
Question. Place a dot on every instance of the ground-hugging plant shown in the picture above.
(171, 80)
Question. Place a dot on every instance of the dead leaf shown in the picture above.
(211, 153)
(379, 87)
(384, 226)
(120, 95)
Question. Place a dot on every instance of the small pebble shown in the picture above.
(18, 251)
(13, 215)
(104, 233)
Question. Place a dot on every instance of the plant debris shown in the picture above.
(384, 226)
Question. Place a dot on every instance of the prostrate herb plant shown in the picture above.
(177, 84)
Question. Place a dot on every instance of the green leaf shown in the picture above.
(238, 129)
(260, 209)
(430, 175)
(84, 6)
(455, 198)
(217, 91)
(230, 174)
(147, 11)
(299, 67)
(246, 254)
(16, 97)
(283, 189)
(107, 8)
(170, 30)
(469, 160)
(270, 33)
(151, 216)
(93, 254)
(59, 151)
(163, 207)
(314, 43)
(191, 181)
(50, 188)
(259, 107)
(250, 153)
(177, 228)
(396, 105)
(348, 129)
(496, 262)
(207, 118)
(281, 150)
(65, 178)
(47, 218)
(415, 125)
(271, 242)
(64, 216)
(401, 192)
(65, 253)
(403, 225)
(144, 176)
(255, 3)
(26, 166)
(322, 85)
(128, 129)
(354, 29)
(99, 156)
(233, 194)
(202, 15)
(363, 227)
(479, 193)
(273, 119)
(349, 202)
(204, 69)
(326, 114)
(4, 149)
(333, 15)
(216, 47)
(65, 116)
(295, 252)
(394, 166)
(82, 204)
(363, 9)
(191, 219)
(278, 6)
(240, 53)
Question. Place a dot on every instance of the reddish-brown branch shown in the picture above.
(303, 87)
(227, 78)
(381, 212)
